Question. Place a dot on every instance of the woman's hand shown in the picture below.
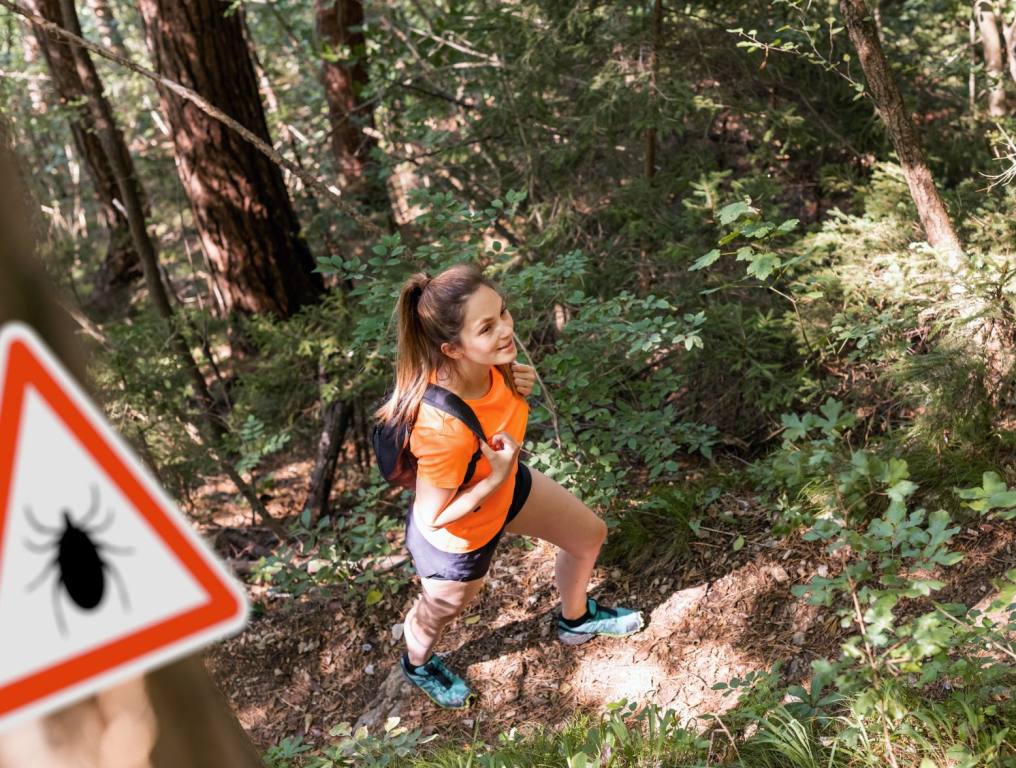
(524, 377)
(502, 454)
(115, 728)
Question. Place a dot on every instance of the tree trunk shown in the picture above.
(938, 227)
(336, 419)
(1009, 33)
(121, 266)
(656, 34)
(130, 192)
(991, 42)
(344, 76)
(178, 710)
(248, 227)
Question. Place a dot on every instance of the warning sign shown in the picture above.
(100, 576)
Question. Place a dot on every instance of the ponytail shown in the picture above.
(429, 313)
(414, 360)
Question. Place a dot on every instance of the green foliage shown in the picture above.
(353, 749)
(891, 555)
(626, 735)
(746, 224)
(993, 494)
(351, 550)
(772, 264)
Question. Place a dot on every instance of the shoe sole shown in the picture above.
(575, 638)
(465, 705)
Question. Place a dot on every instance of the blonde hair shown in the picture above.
(430, 312)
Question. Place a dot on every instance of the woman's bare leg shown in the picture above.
(554, 514)
(439, 602)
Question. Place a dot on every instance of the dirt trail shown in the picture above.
(303, 666)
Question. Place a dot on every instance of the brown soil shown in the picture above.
(306, 664)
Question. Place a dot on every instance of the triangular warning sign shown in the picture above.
(100, 576)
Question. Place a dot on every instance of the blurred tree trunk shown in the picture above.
(249, 230)
(343, 74)
(193, 724)
(938, 227)
(1009, 34)
(121, 266)
(991, 43)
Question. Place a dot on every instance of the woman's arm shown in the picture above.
(437, 507)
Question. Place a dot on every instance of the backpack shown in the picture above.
(391, 442)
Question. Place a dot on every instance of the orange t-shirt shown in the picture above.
(443, 446)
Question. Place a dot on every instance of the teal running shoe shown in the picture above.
(613, 622)
(444, 687)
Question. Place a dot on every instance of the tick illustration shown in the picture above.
(79, 562)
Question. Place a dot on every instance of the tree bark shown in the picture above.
(178, 709)
(938, 227)
(121, 267)
(337, 416)
(336, 419)
(991, 43)
(656, 34)
(344, 76)
(1009, 34)
(130, 192)
(249, 230)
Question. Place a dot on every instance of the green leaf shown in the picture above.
(373, 596)
(734, 211)
(764, 265)
(704, 261)
(901, 490)
(738, 543)
(757, 230)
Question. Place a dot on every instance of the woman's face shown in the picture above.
(486, 335)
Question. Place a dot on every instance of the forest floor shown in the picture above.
(306, 664)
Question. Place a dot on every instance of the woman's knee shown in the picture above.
(590, 538)
(599, 533)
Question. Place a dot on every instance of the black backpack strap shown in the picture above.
(447, 401)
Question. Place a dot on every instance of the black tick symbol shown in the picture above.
(79, 562)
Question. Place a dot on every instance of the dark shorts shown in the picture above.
(434, 563)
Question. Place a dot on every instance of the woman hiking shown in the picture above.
(455, 331)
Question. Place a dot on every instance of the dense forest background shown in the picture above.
(760, 253)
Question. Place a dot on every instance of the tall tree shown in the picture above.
(121, 265)
(655, 40)
(129, 191)
(248, 228)
(344, 76)
(935, 219)
(1009, 34)
(991, 44)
